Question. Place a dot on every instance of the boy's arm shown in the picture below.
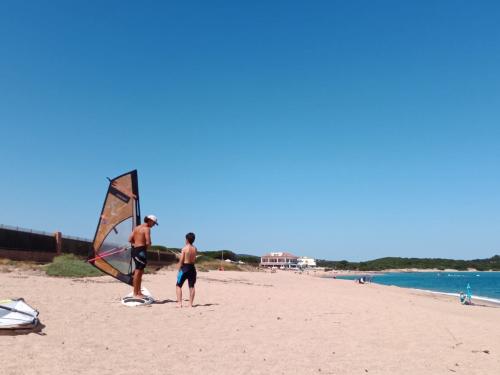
(181, 259)
(131, 238)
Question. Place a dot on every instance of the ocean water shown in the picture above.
(484, 285)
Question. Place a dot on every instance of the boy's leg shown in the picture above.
(191, 296)
(178, 291)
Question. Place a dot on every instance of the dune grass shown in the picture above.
(68, 265)
(8, 265)
(206, 264)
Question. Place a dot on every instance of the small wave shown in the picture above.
(488, 299)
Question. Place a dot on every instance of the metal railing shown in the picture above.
(26, 230)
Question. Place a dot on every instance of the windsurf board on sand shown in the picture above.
(17, 314)
(131, 301)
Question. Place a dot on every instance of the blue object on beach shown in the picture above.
(469, 293)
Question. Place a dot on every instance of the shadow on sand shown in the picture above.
(205, 304)
(163, 301)
(16, 332)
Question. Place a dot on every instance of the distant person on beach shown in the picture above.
(140, 238)
(187, 270)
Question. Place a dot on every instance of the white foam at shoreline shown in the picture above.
(492, 300)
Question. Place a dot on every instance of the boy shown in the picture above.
(187, 270)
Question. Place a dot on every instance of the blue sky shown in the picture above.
(338, 130)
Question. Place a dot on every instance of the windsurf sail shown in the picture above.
(17, 314)
(111, 252)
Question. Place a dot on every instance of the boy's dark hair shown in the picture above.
(190, 237)
(146, 219)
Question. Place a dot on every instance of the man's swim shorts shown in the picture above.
(139, 255)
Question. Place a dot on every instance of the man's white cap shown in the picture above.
(152, 218)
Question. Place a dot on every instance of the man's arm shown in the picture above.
(131, 238)
(147, 237)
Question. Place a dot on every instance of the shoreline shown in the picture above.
(403, 270)
(494, 302)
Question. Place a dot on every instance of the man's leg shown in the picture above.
(178, 291)
(134, 282)
(137, 283)
(191, 296)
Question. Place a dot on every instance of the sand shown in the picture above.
(248, 323)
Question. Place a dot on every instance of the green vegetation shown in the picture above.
(164, 248)
(8, 265)
(488, 264)
(69, 265)
(211, 260)
(251, 260)
(221, 254)
(208, 264)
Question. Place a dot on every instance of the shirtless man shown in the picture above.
(187, 270)
(140, 238)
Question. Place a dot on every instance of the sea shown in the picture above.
(483, 285)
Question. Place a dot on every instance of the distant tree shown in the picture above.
(342, 265)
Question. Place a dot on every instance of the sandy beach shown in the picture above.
(248, 323)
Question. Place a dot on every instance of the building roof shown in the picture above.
(279, 254)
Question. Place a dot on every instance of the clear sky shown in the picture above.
(333, 129)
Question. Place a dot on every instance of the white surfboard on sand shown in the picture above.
(131, 301)
(17, 314)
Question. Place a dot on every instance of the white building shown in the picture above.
(304, 262)
(279, 259)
